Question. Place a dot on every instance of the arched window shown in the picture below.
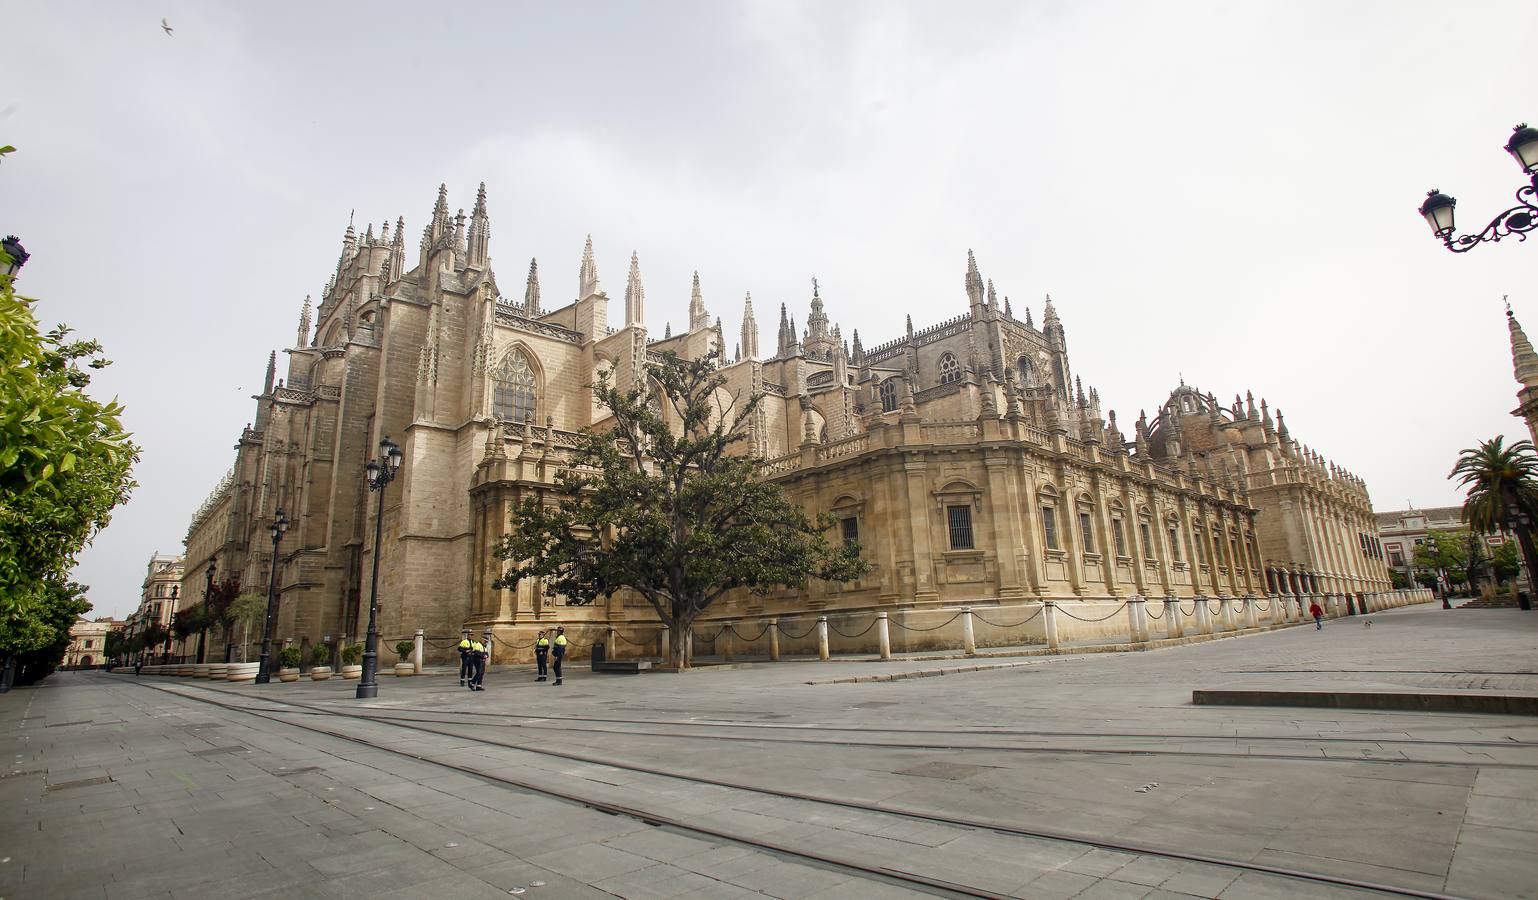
(513, 389)
(950, 369)
(888, 394)
(1027, 372)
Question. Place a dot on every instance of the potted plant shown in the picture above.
(320, 662)
(351, 654)
(290, 659)
(403, 650)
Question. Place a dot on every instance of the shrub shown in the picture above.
(351, 654)
(320, 655)
(290, 657)
(403, 649)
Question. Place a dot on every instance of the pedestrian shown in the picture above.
(559, 651)
(465, 663)
(1317, 613)
(477, 665)
(542, 654)
(138, 664)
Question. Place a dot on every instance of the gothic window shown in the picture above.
(1027, 372)
(1049, 526)
(851, 530)
(1147, 540)
(960, 521)
(1086, 532)
(1174, 534)
(514, 389)
(950, 369)
(1201, 548)
(1121, 540)
(888, 394)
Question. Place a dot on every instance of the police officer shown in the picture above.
(477, 665)
(542, 654)
(465, 663)
(559, 651)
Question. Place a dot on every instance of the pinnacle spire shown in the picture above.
(531, 291)
(635, 295)
(749, 345)
(1524, 360)
(480, 230)
(785, 340)
(272, 371)
(974, 282)
(1049, 312)
(699, 317)
(587, 275)
(304, 323)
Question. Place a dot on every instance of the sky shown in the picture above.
(1224, 192)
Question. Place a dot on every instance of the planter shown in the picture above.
(184, 670)
(404, 669)
(200, 670)
(217, 671)
(288, 675)
(320, 673)
(352, 673)
(242, 671)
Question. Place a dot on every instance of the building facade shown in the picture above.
(1405, 529)
(966, 456)
(159, 595)
(88, 642)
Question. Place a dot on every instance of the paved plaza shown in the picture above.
(763, 780)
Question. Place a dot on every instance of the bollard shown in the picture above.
(1049, 619)
(884, 636)
(1172, 626)
(822, 637)
(725, 637)
(1226, 612)
(688, 651)
(609, 648)
(968, 639)
(774, 640)
(666, 649)
(1249, 612)
(1203, 616)
(486, 639)
(1276, 609)
(1134, 620)
(416, 651)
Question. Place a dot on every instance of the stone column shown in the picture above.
(774, 640)
(822, 637)
(610, 651)
(1203, 616)
(666, 650)
(1172, 624)
(1226, 611)
(725, 646)
(1049, 621)
(1276, 609)
(968, 637)
(1249, 612)
(416, 651)
(1137, 626)
(883, 636)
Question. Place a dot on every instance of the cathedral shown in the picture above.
(966, 457)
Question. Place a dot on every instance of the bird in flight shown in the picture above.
(165, 25)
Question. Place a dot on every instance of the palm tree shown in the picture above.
(1502, 485)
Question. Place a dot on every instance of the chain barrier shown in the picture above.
(1028, 618)
(748, 640)
(1266, 607)
(711, 638)
(1183, 609)
(1149, 605)
(621, 636)
(835, 630)
(1212, 609)
(796, 637)
(1113, 612)
(934, 628)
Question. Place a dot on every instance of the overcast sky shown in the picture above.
(1225, 191)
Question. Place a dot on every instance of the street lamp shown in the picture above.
(278, 526)
(1522, 524)
(208, 588)
(380, 472)
(17, 253)
(1520, 219)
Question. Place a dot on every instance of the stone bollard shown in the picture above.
(968, 639)
(1049, 619)
(724, 636)
(822, 637)
(1203, 616)
(609, 649)
(1172, 625)
(1226, 613)
(1249, 612)
(774, 640)
(688, 649)
(1135, 628)
(417, 641)
(486, 640)
(883, 636)
(1276, 609)
(665, 648)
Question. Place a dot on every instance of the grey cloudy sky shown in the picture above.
(1221, 190)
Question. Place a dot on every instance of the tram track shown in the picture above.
(289, 708)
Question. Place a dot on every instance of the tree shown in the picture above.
(667, 511)
(114, 647)
(1399, 579)
(211, 611)
(244, 611)
(1444, 555)
(153, 637)
(1502, 485)
(64, 458)
(1506, 562)
(35, 638)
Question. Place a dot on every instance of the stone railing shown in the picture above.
(848, 446)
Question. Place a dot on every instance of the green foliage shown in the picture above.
(64, 457)
(320, 655)
(351, 654)
(1502, 484)
(403, 649)
(154, 638)
(115, 645)
(1506, 562)
(290, 657)
(1399, 579)
(38, 634)
(246, 610)
(189, 622)
(1441, 551)
(658, 505)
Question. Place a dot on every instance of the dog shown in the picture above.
(1367, 623)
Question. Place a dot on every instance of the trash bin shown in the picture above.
(1523, 600)
(598, 654)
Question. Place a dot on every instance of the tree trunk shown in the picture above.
(678, 642)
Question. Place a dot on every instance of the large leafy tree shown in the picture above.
(244, 611)
(36, 636)
(1502, 485)
(1445, 554)
(659, 505)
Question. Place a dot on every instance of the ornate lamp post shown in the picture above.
(18, 254)
(380, 472)
(208, 588)
(278, 527)
(1519, 220)
(1521, 523)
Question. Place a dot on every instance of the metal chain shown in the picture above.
(1028, 618)
(934, 628)
(1262, 608)
(1183, 609)
(834, 629)
(1101, 619)
(630, 642)
(711, 638)
(748, 640)
(796, 637)
(1151, 615)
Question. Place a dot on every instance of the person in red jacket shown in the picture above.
(1317, 613)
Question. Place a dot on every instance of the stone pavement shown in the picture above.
(124, 789)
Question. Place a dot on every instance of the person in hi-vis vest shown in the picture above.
(465, 664)
(542, 655)
(558, 650)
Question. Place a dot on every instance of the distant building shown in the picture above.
(158, 594)
(88, 641)
(1404, 530)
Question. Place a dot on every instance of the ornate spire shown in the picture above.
(304, 323)
(1249, 406)
(1524, 360)
(459, 238)
(667, 330)
(974, 282)
(1049, 314)
(858, 356)
(1281, 427)
(635, 295)
(785, 337)
(531, 291)
(1008, 313)
(587, 276)
(439, 226)
(817, 320)
(699, 317)
(1028, 322)
(1078, 385)
(480, 230)
(272, 372)
(749, 345)
(910, 327)
(1265, 416)
(993, 298)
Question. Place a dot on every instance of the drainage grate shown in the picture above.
(213, 750)
(304, 771)
(84, 782)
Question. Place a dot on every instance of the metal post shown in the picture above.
(367, 686)
(822, 637)
(1049, 619)
(968, 637)
(263, 672)
(883, 636)
(416, 651)
(774, 640)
